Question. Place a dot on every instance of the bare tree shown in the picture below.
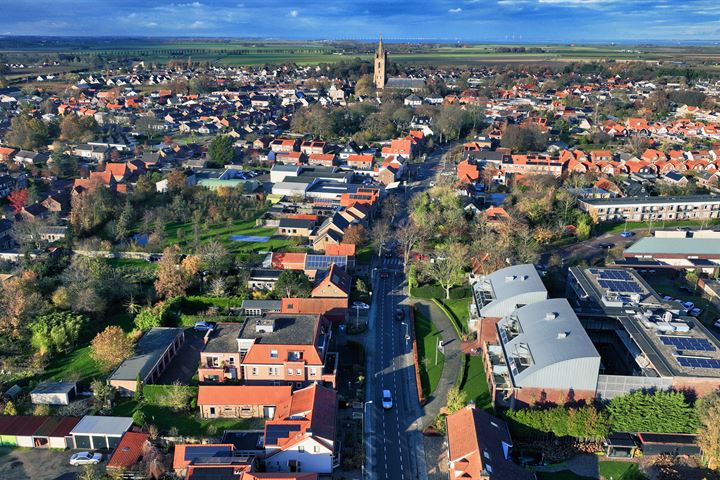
(409, 235)
(379, 234)
(390, 208)
(447, 268)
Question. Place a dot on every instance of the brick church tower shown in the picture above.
(379, 76)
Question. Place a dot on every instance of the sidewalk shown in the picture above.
(452, 359)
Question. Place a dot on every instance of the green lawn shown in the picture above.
(427, 335)
(131, 262)
(187, 423)
(182, 234)
(475, 384)
(459, 308)
(620, 470)
(561, 475)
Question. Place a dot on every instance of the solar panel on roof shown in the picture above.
(698, 362)
(275, 432)
(192, 452)
(688, 343)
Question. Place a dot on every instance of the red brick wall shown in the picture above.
(531, 396)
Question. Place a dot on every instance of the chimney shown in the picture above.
(550, 316)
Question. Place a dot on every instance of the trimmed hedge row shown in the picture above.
(435, 291)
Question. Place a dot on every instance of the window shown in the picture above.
(254, 371)
(273, 354)
(301, 449)
(290, 371)
(313, 372)
(298, 371)
(316, 449)
(231, 360)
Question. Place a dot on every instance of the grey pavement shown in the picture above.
(453, 362)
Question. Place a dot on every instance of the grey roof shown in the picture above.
(288, 330)
(285, 168)
(54, 387)
(651, 200)
(265, 274)
(555, 338)
(287, 185)
(262, 304)
(296, 223)
(401, 82)
(515, 280)
(679, 246)
(224, 338)
(95, 425)
(148, 351)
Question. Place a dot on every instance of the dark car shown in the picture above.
(606, 245)
(384, 274)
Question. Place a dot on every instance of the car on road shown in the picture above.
(606, 245)
(85, 458)
(627, 234)
(203, 326)
(384, 274)
(399, 313)
(389, 254)
(361, 305)
(387, 402)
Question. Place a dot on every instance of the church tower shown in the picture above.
(380, 61)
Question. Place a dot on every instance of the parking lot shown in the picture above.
(36, 464)
(184, 365)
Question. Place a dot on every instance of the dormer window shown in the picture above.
(273, 354)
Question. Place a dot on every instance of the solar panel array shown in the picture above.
(688, 343)
(275, 432)
(192, 452)
(698, 362)
(618, 281)
(323, 262)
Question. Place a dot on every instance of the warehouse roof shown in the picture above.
(678, 246)
(148, 351)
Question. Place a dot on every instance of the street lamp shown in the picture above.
(363, 438)
(407, 331)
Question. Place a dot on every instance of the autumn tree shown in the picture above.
(174, 277)
(18, 199)
(355, 234)
(77, 129)
(28, 133)
(19, 303)
(111, 347)
(447, 268)
(176, 180)
(364, 86)
(91, 209)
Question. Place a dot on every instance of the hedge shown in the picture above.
(435, 291)
(459, 328)
(199, 303)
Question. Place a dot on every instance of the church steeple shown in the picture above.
(379, 76)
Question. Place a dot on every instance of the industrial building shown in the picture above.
(675, 249)
(644, 341)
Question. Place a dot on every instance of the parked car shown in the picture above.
(387, 402)
(384, 274)
(668, 298)
(695, 311)
(361, 305)
(399, 313)
(627, 234)
(688, 305)
(203, 326)
(606, 245)
(717, 323)
(85, 458)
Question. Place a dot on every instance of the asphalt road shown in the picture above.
(393, 439)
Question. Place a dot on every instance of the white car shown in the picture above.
(387, 400)
(361, 305)
(85, 458)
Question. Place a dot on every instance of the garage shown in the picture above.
(19, 430)
(94, 432)
(53, 393)
(54, 432)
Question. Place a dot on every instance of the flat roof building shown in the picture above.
(641, 209)
(700, 251)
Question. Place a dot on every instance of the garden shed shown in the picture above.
(54, 393)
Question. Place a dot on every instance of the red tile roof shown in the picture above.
(242, 394)
(129, 450)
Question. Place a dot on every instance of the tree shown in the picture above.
(178, 396)
(103, 393)
(18, 199)
(522, 139)
(9, 409)
(659, 411)
(355, 234)
(111, 347)
(293, 283)
(379, 234)
(214, 256)
(709, 432)
(173, 277)
(390, 208)
(221, 150)
(28, 133)
(409, 235)
(77, 129)
(176, 180)
(56, 332)
(364, 86)
(447, 269)
(91, 209)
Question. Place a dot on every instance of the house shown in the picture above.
(241, 401)
(129, 451)
(187, 456)
(53, 393)
(258, 308)
(641, 209)
(34, 211)
(674, 178)
(6, 154)
(360, 162)
(310, 147)
(322, 159)
(263, 278)
(468, 172)
(296, 227)
(334, 309)
(283, 145)
(153, 353)
(479, 448)
(412, 100)
(335, 283)
(97, 153)
(26, 157)
(6, 237)
(302, 436)
(400, 146)
(95, 432)
(276, 349)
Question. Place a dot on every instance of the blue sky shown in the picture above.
(480, 20)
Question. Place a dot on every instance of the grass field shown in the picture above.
(427, 336)
(182, 235)
(475, 384)
(187, 424)
(459, 308)
(131, 262)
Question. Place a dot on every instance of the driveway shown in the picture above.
(36, 464)
(184, 365)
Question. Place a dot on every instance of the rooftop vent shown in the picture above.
(562, 335)
(668, 316)
(510, 278)
(265, 325)
(551, 316)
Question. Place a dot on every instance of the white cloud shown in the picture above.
(197, 24)
(151, 24)
(455, 10)
(192, 5)
(294, 13)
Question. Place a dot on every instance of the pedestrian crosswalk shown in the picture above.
(393, 262)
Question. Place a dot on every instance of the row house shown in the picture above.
(641, 209)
